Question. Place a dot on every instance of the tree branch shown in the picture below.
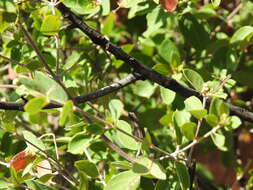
(131, 78)
(146, 72)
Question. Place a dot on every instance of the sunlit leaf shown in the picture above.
(150, 168)
(194, 79)
(124, 180)
(33, 143)
(78, 143)
(35, 105)
(51, 25)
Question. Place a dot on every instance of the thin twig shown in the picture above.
(227, 20)
(57, 43)
(195, 141)
(13, 61)
(8, 86)
(54, 141)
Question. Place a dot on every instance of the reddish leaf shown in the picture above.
(169, 5)
(21, 160)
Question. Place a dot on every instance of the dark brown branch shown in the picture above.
(145, 72)
(12, 106)
(131, 78)
(85, 116)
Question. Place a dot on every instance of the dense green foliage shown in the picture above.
(97, 144)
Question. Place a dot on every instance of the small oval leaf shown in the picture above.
(87, 167)
(127, 180)
(35, 105)
(194, 79)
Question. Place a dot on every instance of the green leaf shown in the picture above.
(116, 108)
(189, 130)
(194, 32)
(35, 105)
(212, 120)
(171, 184)
(105, 7)
(37, 186)
(179, 119)
(51, 25)
(82, 6)
(183, 175)
(122, 165)
(87, 167)
(204, 13)
(233, 123)
(194, 79)
(195, 107)
(127, 180)
(167, 95)
(33, 140)
(149, 168)
(216, 3)
(241, 35)
(84, 181)
(155, 20)
(71, 60)
(167, 119)
(125, 140)
(199, 113)
(193, 103)
(45, 178)
(232, 59)
(151, 118)
(220, 141)
(144, 89)
(78, 143)
(8, 5)
(4, 185)
(128, 3)
(83, 3)
(45, 85)
(95, 129)
(169, 52)
(140, 7)
(6, 19)
(161, 68)
(108, 25)
(218, 107)
(147, 142)
(66, 111)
